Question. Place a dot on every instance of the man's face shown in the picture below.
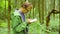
(29, 7)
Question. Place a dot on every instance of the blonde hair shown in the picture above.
(26, 5)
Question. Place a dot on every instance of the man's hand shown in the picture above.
(31, 20)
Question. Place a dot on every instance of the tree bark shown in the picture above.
(9, 11)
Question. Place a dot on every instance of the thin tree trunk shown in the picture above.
(54, 8)
(57, 6)
(42, 12)
(59, 16)
(48, 15)
(5, 10)
(33, 7)
(9, 10)
(16, 4)
(39, 11)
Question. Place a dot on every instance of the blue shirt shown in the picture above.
(22, 16)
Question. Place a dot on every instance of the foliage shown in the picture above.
(2, 4)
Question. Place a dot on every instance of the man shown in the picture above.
(18, 19)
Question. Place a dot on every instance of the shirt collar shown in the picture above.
(16, 12)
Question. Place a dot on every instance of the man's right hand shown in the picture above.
(31, 20)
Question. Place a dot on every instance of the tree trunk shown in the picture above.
(5, 10)
(9, 10)
(59, 16)
(42, 12)
(39, 11)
